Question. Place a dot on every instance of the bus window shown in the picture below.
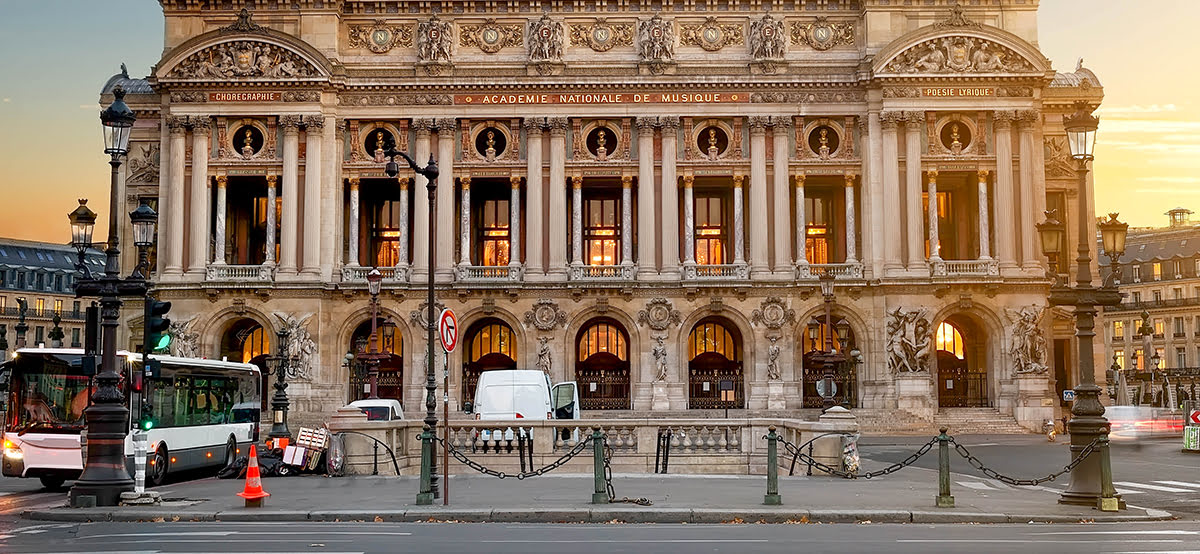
(44, 394)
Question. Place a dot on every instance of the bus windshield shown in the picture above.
(47, 394)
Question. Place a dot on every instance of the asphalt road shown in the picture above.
(338, 538)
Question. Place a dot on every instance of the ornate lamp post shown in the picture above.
(371, 357)
(430, 173)
(104, 476)
(1088, 424)
(831, 356)
(281, 366)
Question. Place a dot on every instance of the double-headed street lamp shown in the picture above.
(281, 365)
(430, 173)
(104, 475)
(831, 357)
(371, 356)
(1088, 425)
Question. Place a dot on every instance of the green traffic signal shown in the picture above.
(156, 325)
(147, 423)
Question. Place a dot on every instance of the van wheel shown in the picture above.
(52, 483)
(156, 472)
(230, 451)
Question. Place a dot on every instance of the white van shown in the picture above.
(379, 409)
(508, 394)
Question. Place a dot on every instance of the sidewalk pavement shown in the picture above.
(904, 497)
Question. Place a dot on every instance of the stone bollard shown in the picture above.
(600, 491)
(772, 497)
(1108, 501)
(944, 500)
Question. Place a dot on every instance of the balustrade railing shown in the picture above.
(716, 272)
(228, 272)
(951, 268)
(838, 270)
(603, 272)
(399, 274)
(490, 273)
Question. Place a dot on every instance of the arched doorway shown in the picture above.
(715, 377)
(391, 367)
(962, 372)
(490, 345)
(845, 375)
(602, 366)
(247, 341)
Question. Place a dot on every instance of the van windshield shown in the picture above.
(505, 399)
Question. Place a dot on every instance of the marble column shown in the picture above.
(1006, 251)
(272, 226)
(355, 221)
(577, 220)
(760, 266)
(801, 223)
(1030, 255)
(420, 242)
(913, 218)
(164, 197)
(851, 220)
(669, 192)
(627, 224)
(646, 229)
(514, 221)
(219, 231)
(464, 221)
(288, 227)
(402, 259)
(445, 197)
(533, 197)
(739, 225)
(782, 226)
(558, 197)
(889, 122)
(177, 126)
(689, 222)
(935, 242)
(199, 197)
(313, 125)
(332, 187)
(985, 241)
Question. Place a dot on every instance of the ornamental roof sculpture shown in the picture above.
(958, 54)
(244, 59)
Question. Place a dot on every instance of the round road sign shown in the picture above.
(448, 330)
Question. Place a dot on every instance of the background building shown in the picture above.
(40, 274)
(641, 202)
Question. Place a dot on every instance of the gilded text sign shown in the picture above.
(244, 96)
(959, 92)
(605, 98)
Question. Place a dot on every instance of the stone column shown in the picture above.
(272, 195)
(760, 266)
(355, 221)
(689, 222)
(514, 222)
(851, 221)
(1006, 251)
(913, 218)
(464, 222)
(558, 197)
(739, 227)
(646, 231)
(889, 122)
(164, 197)
(871, 192)
(420, 242)
(219, 240)
(402, 259)
(533, 197)
(198, 200)
(1030, 256)
(332, 206)
(669, 191)
(445, 196)
(577, 220)
(801, 223)
(288, 227)
(782, 227)
(313, 128)
(177, 126)
(935, 242)
(627, 224)
(985, 242)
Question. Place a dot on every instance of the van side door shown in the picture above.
(566, 400)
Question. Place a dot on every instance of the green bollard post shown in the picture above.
(944, 500)
(425, 496)
(600, 492)
(1108, 501)
(772, 497)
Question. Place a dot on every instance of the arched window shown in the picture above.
(949, 339)
(715, 378)
(603, 337)
(491, 344)
(388, 340)
(713, 337)
(247, 341)
(494, 338)
(602, 366)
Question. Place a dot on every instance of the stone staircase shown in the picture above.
(959, 421)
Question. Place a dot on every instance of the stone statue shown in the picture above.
(986, 59)
(185, 343)
(659, 351)
(767, 40)
(958, 54)
(656, 39)
(544, 361)
(244, 58)
(909, 339)
(773, 373)
(144, 168)
(546, 37)
(435, 38)
(1027, 343)
(301, 347)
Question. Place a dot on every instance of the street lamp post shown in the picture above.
(280, 365)
(831, 357)
(104, 476)
(372, 357)
(430, 173)
(1088, 424)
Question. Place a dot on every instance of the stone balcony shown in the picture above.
(603, 273)
(391, 274)
(499, 274)
(964, 268)
(840, 271)
(257, 273)
(716, 272)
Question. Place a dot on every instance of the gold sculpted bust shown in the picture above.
(247, 146)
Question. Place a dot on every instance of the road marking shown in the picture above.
(975, 485)
(1180, 484)
(2, 537)
(1032, 541)
(228, 533)
(1125, 532)
(634, 541)
(1150, 487)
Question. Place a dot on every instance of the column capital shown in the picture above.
(646, 125)
(914, 119)
(290, 123)
(423, 125)
(464, 182)
(314, 121)
(1026, 119)
(627, 181)
(891, 120)
(688, 181)
(782, 124)
(531, 124)
(558, 125)
(515, 182)
(800, 177)
(200, 124)
(354, 181)
(931, 174)
(444, 124)
(758, 124)
(982, 174)
(404, 181)
(272, 179)
(737, 181)
(850, 178)
(177, 124)
(576, 181)
(1004, 118)
(668, 122)
(341, 127)
(222, 180)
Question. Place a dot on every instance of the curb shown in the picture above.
(582, 515)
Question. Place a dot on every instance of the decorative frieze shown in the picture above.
(491, 37)
(659, 314)
(396, 99)
(380, 37)
(143, 163)
(545, 315)
(711, 35)
(814, 97)
(823, 35)
(602, 36)
(243, 59)
(958, 54)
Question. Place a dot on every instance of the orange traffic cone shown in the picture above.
(253, 493)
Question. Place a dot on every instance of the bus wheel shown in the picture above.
(52, 483)
(156, 474)
(230, 451)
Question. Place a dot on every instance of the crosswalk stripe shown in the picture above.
(1180, 484)
(1150, 487)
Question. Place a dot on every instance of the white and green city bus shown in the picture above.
(202, 412)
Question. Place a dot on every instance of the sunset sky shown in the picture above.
(58, 53)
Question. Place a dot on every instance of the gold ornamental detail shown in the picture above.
(491, 37)
(602, 36)
(381, 37)
(823, 35)
(711, 35)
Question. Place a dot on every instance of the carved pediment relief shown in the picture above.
(244, 59)
(958, 54)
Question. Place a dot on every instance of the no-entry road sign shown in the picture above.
(448, 330)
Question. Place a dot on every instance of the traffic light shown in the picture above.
(146, 422)
(156, 325)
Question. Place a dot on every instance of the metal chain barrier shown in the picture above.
(975, 463)
(612, 495)
(796, 452)
(462, 457)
